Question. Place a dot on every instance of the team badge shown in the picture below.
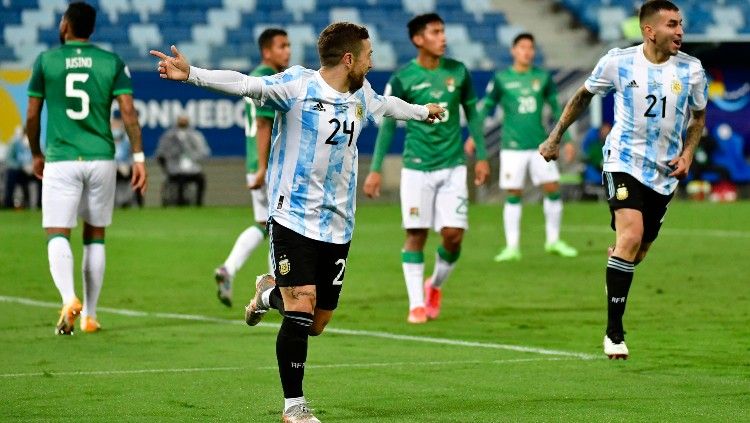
(359, 112)
(676, 87)
(450, 84)
(284, 266)
(414, 212)
(536, 85)
(621, 193)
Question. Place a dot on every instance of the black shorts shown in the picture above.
(626, 192)
(298, 261)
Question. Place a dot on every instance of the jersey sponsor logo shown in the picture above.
(436, 93)
(632, 84)
(621, 193)
(512, 85)
(421, 86)
(319, 107)
(78, 62)
(284, 266)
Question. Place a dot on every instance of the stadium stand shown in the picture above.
(223, 32)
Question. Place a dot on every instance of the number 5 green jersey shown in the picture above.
(78, 81)
(522, 95)
(438, 145)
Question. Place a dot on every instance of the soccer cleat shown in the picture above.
(432, 298)
(615, 350)
(255, 310)
(299, 414)
(90, 325)
(417, 315)
(68, 315)
(508, 254)
(561, 249)
(224, 284)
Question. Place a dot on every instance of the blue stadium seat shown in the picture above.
(6, 54)
(483, 32)
(49, 36)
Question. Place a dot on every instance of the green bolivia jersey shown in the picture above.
(251, 128)
(434, 146)
(522, 95)
(78, 81)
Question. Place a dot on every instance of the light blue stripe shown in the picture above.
(305, 160)
(653, 126)
(333, 176)
(625, 70)
(351, 193)
(277, 167)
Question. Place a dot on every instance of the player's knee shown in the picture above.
(316, 330)
(452, 239)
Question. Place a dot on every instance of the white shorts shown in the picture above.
(437, 199)
(513, 166)
(260, 199)
(73, 189)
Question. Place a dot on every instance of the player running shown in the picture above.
(78, 81)
(312, 181)
(658, 92)
(274, 48)
(433, 180)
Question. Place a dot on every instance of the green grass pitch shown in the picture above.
(515, 342)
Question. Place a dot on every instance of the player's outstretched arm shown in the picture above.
(262, 147)
(681, 164)
(176, 67)
(33, 128)
(550, 148)
(139, 179)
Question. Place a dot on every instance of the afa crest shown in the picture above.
(621, 193)
(450, 84)
(414, 212)
(676, 87)
(285, 266)
(536, 85)
(359, 112)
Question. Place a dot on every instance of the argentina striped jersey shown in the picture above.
(652, 108)
(312, 169)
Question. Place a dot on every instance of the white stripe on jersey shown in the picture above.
(652, 108)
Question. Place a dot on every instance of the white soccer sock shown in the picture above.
(414, 277)
(552, 218)
(94, 259)
(248, 241)
(442, 270)
(512, 224)
(61, 267)
(288, 402)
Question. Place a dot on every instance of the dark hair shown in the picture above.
(523, 36)
(266, 37)
(338, 39)
(652, 7)
(81, 17)
(419, 23)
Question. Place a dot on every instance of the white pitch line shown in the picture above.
(233, 369)
(338, 331)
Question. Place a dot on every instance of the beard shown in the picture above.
(356, 82)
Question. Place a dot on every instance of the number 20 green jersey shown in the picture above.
(251, 129)
(78, 82)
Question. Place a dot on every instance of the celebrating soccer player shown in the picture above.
(78, 81)
(275, 51)
(312, 179)
(658, 91)
(521, 91)
(433, 180)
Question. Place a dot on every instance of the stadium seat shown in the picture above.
(224, 18)
(610, 19)
(417, 7)
(240, 5)
(27, 53)
(471, 54)
(113, 8)
(199, 54)
(384, 56)
(477, 7)
(38, 18)
(731, 16)
(209, 34)
(506, 34)
(720, 32)
(456, 33)
(7, 54)
(298, 8)
(345, 14)
(147, 7)
(145, 36)
(55, 5)
(16, 35)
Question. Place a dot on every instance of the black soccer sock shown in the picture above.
(276, 300)
(291, 351)
(619, 278)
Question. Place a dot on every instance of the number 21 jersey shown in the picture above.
(652, 107)
(78, 81)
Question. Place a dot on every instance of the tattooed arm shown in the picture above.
(681, 163)
(550, 148)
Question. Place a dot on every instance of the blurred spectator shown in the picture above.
(728, 154)
(124, 195)
(180, 151)
(631, 28)
(19, 173)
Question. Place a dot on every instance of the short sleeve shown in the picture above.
(603, 76)
(123, 84)
(374, 103)
(698, 89)
(36, 83)
(281, 89)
